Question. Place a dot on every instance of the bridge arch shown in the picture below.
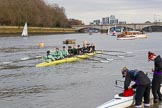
(134, 26)
(152, 29)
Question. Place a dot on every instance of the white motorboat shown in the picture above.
(126, 38)
(127, 35)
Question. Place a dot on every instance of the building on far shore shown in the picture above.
(107, 20)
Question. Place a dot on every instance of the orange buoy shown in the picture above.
(41, 45)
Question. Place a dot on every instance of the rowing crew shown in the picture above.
(70, 52)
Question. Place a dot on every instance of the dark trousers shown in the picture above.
(142, 91)
(156, 84)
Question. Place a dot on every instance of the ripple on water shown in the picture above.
(10, 67)
(21, 91)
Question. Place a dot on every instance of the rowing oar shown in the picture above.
(112, 51)
(118, 55)
(23, 59)
(103, 61)
(104, 58)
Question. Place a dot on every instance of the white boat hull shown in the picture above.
(138, 36)
(126, 38)
(121, 102)
(118, 102)
(129, 35)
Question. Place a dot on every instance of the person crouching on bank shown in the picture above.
(142, 85)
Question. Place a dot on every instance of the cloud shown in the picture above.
(129, 10)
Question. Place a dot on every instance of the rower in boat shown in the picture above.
(91, 48)
(65, 53)
(85, 48)
(70, 51)
(142, 85)
(75, 51)
(57, 54)
(79, 50)
(48, 57)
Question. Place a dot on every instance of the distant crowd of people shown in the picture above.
(71, 51)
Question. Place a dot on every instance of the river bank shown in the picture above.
(17, 30)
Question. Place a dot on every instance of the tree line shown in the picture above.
(35, 12)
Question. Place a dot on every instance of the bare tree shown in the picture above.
(35, 12)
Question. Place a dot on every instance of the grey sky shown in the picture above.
(132, 11)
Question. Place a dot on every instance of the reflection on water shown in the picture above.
(22, 48)
(11, 75)
(8, 92)
(10, 67)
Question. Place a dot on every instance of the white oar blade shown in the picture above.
(109, 59)
(121, 56)
(38, 56)
(6, 62)
(129, 52)
(25, 58)
(104, 61)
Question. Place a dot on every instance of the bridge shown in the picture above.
(148, 27)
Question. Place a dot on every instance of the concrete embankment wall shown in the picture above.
(34, 30)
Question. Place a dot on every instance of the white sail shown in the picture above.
(121, 30)
(25, 31)
(108, 31)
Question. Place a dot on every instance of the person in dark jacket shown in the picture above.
(79, 50)
(70, 51)
(75, 51)
(142, 85)
(157, 76)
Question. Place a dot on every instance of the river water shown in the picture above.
(83, 84)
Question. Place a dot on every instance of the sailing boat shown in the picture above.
(108, 31)
(25, 31)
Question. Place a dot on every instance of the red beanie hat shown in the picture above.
(150, 55)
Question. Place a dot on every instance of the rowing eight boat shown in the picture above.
(66, 60)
